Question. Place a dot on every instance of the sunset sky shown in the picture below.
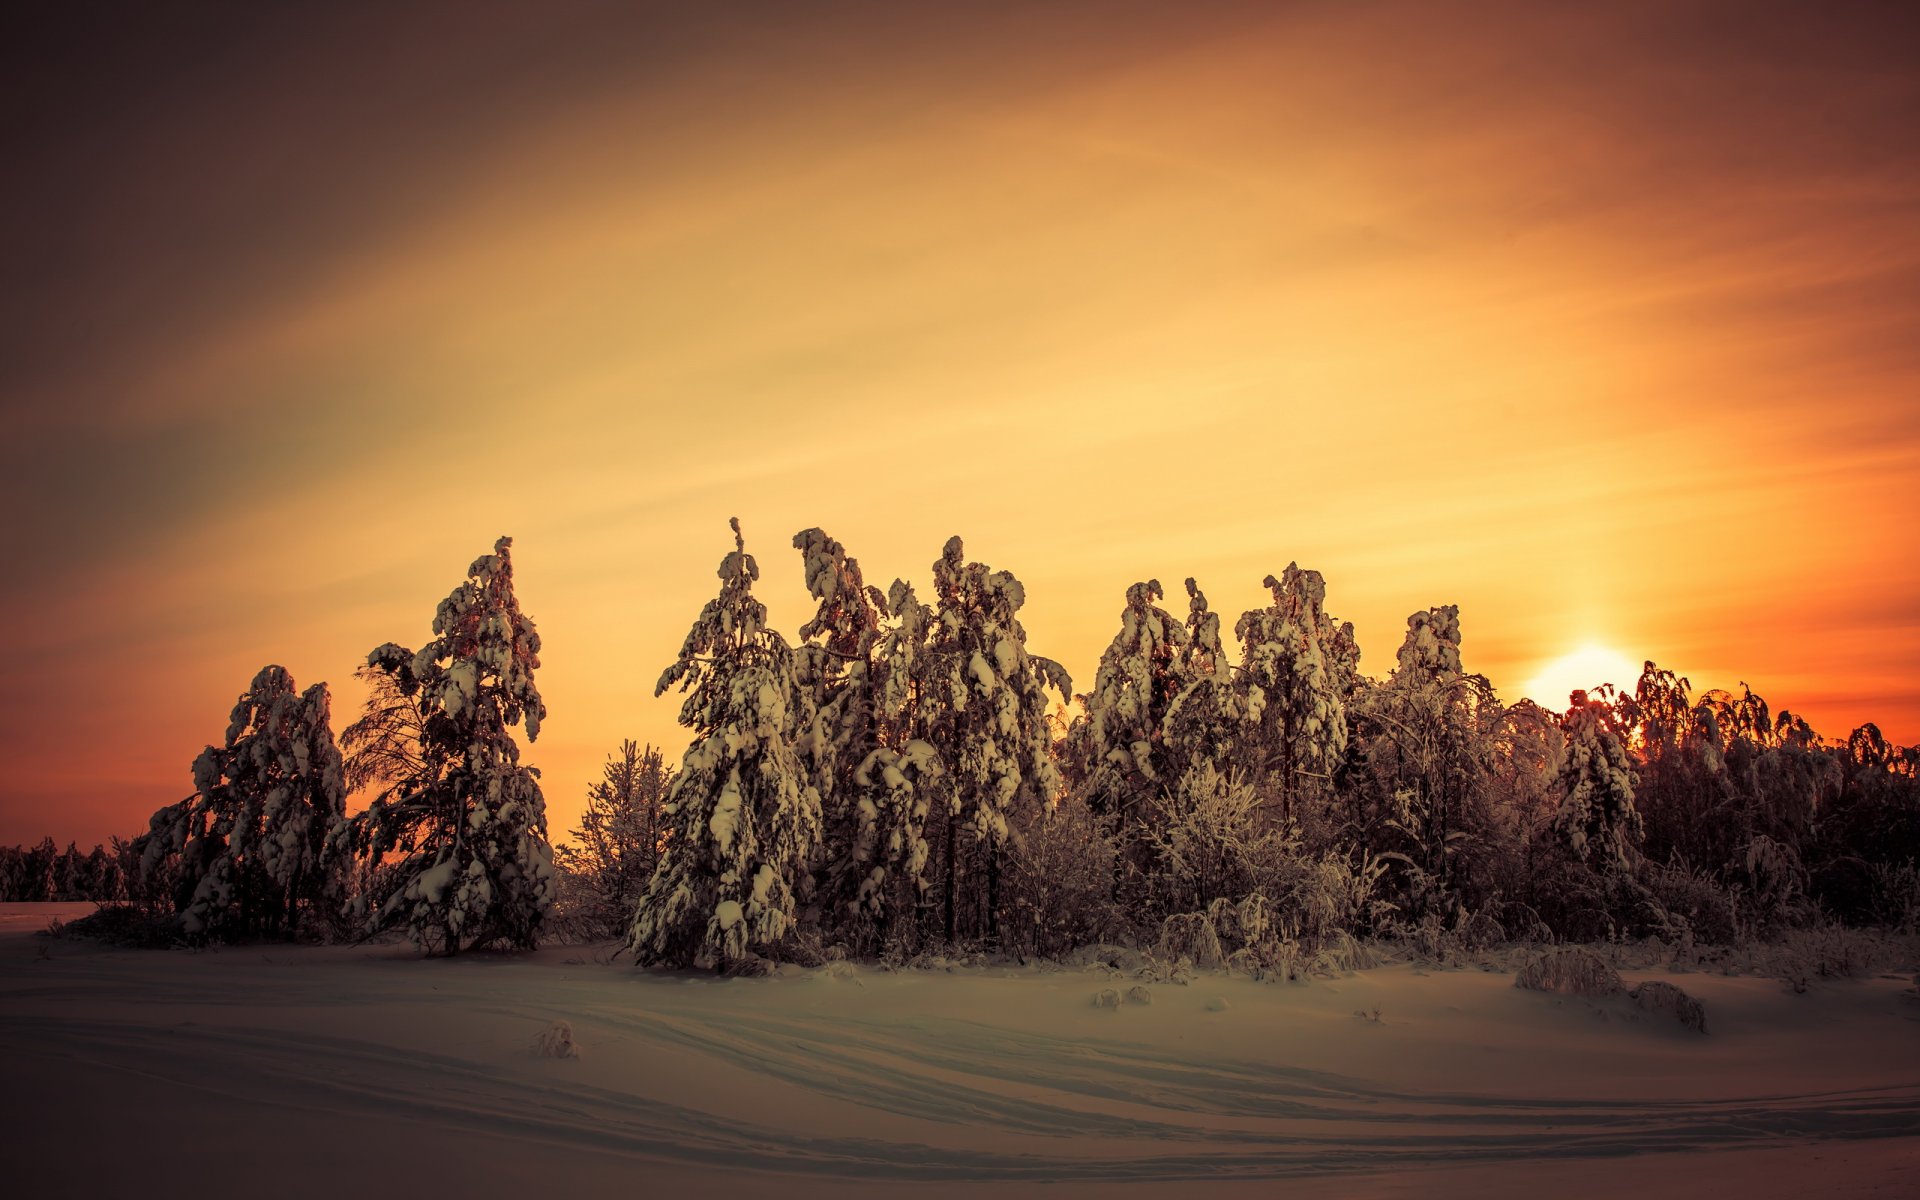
(1600, 321)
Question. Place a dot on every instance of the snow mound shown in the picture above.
(1106, 998)
(556, 1041)
(1138, 994)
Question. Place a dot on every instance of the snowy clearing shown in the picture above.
(308, 1071)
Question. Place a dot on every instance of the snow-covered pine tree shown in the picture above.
(991, 722)
(247, 846)
(1202, 725)
(1297, 671)
(617, 844)
(1427, 735)
(1597, 820)
(1136, 684)
(901, 779)
(834, 663)
(744, 816)
(471, 826)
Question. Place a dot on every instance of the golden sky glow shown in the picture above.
(1596, 323)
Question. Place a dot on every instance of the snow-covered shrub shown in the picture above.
(467, 826)
(1687, 906)
(1658, 997)
(1570, 970)
(1896, 897)
(743, 815)
(1802, 957)
(1190, 937)
(128, 926)
(1057, 892)
(1209, 840)
(1772, 883)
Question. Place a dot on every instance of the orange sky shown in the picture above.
(1599, 325)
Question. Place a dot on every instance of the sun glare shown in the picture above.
(1588, 667)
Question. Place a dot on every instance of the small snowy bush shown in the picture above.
(1190, 936)
(556, 1041)
(1573, 971)
(1655, 996)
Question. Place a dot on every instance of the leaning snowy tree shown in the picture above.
(989, 719)
(470, 824)
(743, 814)
(1597, 820)
(834, 663)
(246, 849)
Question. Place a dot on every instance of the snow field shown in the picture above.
(820, 1081)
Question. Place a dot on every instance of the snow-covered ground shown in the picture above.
(299, 1071)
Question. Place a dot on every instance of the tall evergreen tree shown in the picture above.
(1428, 741)
(991, 723)
(1134, 688)
(1597, 820)
(470, 823)
(1297, 672)
(743, 811)
(834, 663)
(1202, 726)
(902, 781)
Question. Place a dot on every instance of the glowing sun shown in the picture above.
(1588, 667)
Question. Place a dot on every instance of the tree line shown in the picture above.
(906, 776)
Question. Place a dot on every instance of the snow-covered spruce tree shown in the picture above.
(470, 826)
(743, 814)
(990, 722)
(901, 780)
(1427, 738)
(247, 847)
(834, 663)
(1597, 820)
(1124, 728)
(1296, 674)
(1203, 723)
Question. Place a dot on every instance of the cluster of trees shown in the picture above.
(907, 776)
(42, 873)
(900, 778)
(453, 844)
